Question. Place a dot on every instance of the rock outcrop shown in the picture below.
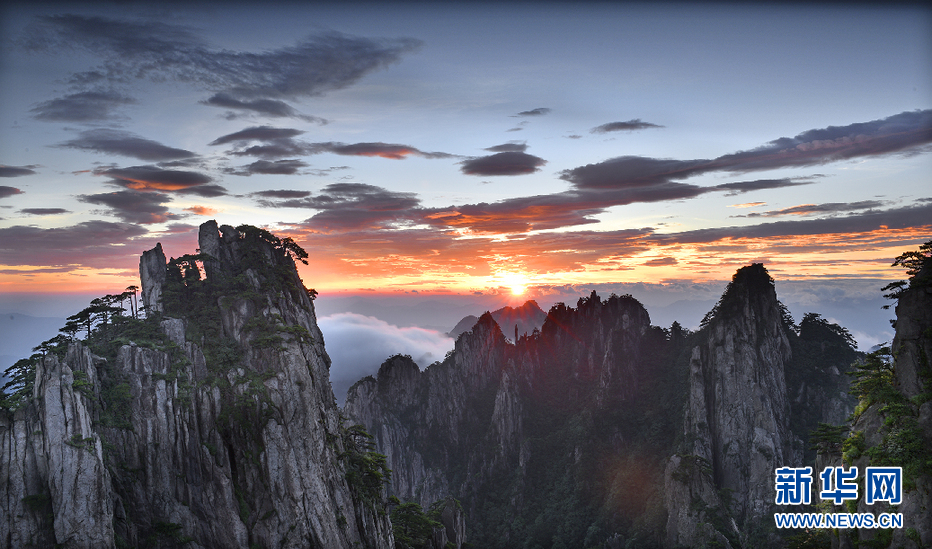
(152, 278)
(892, 425)
(473, 425)
(565, 437)
(756, 389)
(696, 513)
(215, 428)
(55, 485)
(737, 413)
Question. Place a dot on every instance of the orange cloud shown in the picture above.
(153, 178)
(438, 259)
(202, 210)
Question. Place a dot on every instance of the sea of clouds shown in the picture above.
(359, 344)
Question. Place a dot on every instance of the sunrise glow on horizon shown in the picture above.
(843, 256)
(468, 149)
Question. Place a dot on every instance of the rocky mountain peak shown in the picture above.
(750, 295)
(752, 278)
(513, 321)
(737, 413)
(398, 376)
(209, 423)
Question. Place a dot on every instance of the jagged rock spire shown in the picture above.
(737, 412)
(152, 275)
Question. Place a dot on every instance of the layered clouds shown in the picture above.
(904, 133)
(594, 188)
(277, 147)
(87, 244)
(385, 198)
(251, 81)
(134, 53)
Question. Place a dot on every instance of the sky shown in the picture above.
(471, 152)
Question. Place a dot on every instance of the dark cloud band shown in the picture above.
(280, 142)
(84, 107)
(125, 143)
(267, 107)
(282, 193)
(814, 209)
(154, 178)
(911, 217)
(630, 125)
(134, 206)
(7, 191)
(16, 171)
(512, 146)
(157, 51)
(503, 163)
(539, 111)
(44, 211)
(271, 167)
(257, 133)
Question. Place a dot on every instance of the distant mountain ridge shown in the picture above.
(212, 422)
(602, 430)
(513, 321)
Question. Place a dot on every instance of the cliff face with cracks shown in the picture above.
(220, 430)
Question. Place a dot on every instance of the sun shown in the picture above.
(518, 282)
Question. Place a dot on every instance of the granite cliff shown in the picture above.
(602, 430)
(756, 388)
(892, 424)
(212, 423)
(209, 424)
